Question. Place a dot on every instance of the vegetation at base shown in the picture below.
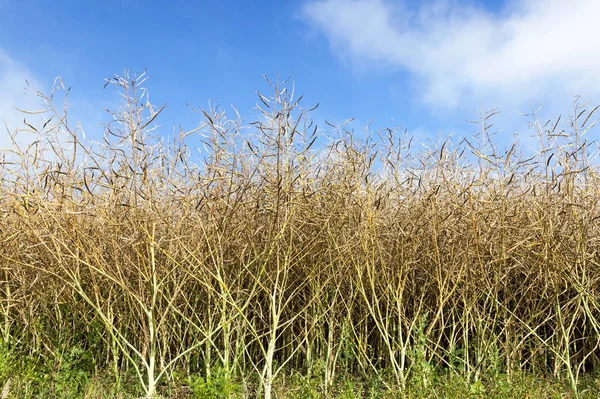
(292, 261)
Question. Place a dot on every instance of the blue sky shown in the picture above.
(423, 65)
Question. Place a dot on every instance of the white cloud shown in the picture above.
(460, 54)
(17, 90)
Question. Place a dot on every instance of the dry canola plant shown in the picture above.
(288, 250)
